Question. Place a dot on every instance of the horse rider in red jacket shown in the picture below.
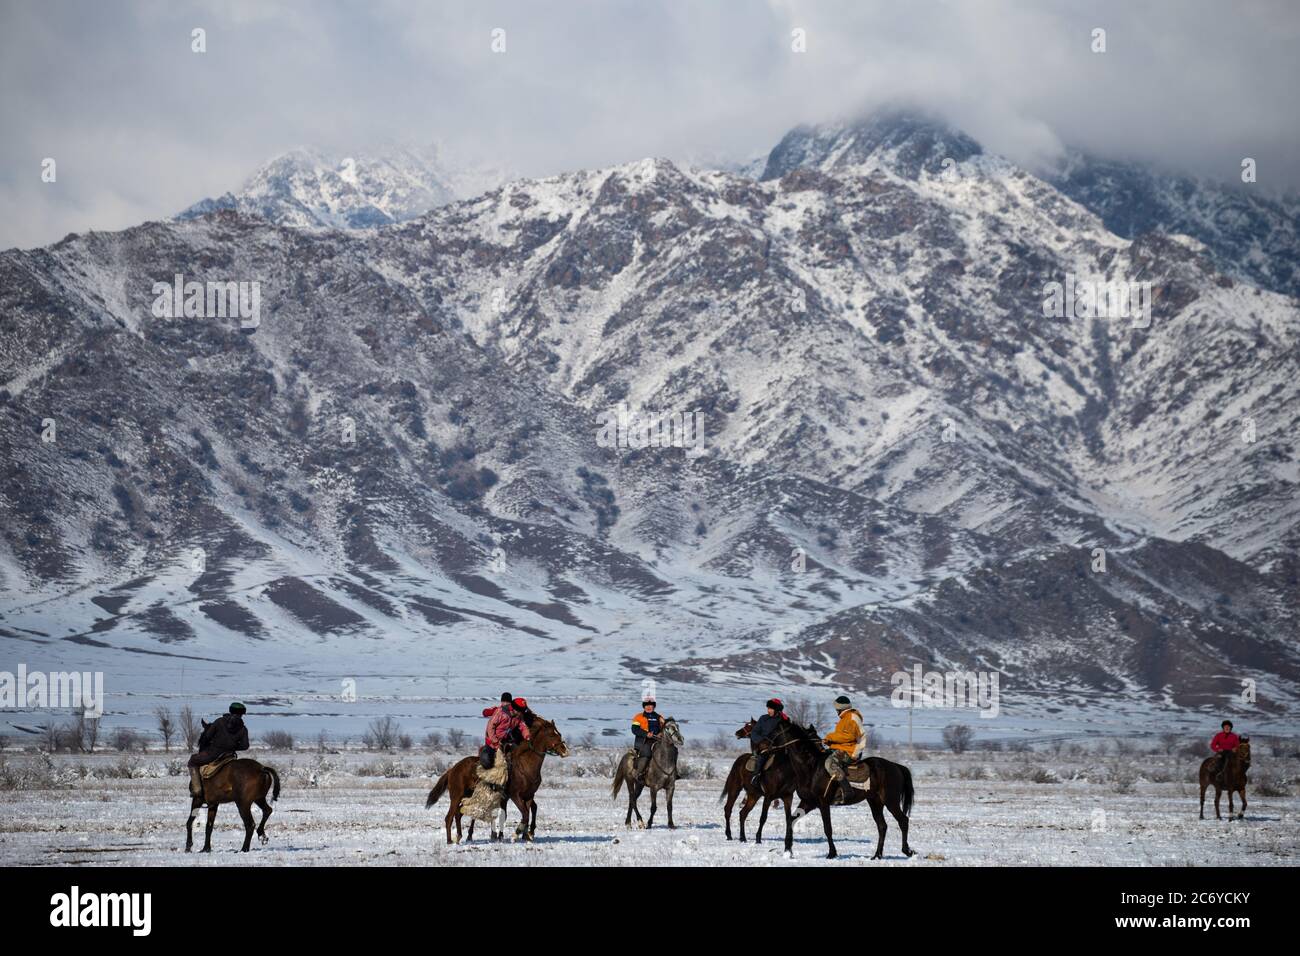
(1224, 743)
(506, 725)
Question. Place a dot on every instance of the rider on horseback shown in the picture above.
(764, 731)
(224, 735)
(646, 728)
(506, 727)
(1224, 742)
(848, 741)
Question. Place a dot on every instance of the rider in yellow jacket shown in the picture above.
(848, 739)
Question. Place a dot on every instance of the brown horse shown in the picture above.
(1234, 779)
(525, 778)
(891, 787)
(243, 782)
(739, 780)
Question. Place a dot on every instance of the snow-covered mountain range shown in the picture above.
(309, 188)
(906, 460)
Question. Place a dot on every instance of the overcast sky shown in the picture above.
(141, 127)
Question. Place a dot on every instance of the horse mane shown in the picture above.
(806, 735)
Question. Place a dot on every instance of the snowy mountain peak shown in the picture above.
(905, 141)
(310, 188)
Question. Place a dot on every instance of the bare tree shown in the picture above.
(433, 740)
(804, 711)
(86, 732)
(123, 739)
(456, 737)
(322, 742)
(382, 734)
(957, 737)
(51, 736)
(278, 739)
(166, 727)
(189, 728)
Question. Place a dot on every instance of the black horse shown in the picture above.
(891, 787)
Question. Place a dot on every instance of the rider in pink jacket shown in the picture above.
(505, 719)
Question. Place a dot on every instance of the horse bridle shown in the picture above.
(549, 751)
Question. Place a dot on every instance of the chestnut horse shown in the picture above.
(740, 779)
(525, 779)
(1234, 779)
(243, 782)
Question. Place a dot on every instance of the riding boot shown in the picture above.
(846, 790)
(196, 783)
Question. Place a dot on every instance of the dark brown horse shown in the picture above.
(1234, 779)
(243, 782)
(891, 787)
(741, 780)
(525, 779)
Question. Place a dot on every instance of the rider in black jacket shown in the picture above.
(227, 734)
(765, 732)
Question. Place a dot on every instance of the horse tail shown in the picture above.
(275, 782)
(618, 779)
(733, 782)
(438, 790)
(909, 792)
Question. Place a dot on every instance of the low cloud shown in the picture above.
(141, 126)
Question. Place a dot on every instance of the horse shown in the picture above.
(740, 779)
(1234, 779)
(777, 782)
(525, 779)
(244, 782)
(891, 788)
(661, 774)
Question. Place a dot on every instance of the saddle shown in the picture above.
(858, 772)
(209, 769)
(751, 763)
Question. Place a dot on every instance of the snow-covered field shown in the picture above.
(976, 809)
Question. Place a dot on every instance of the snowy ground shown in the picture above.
(975, 809)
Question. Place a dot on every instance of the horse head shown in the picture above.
(673, 732)
(546, 738)
(745, 731)
(1243, 752)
